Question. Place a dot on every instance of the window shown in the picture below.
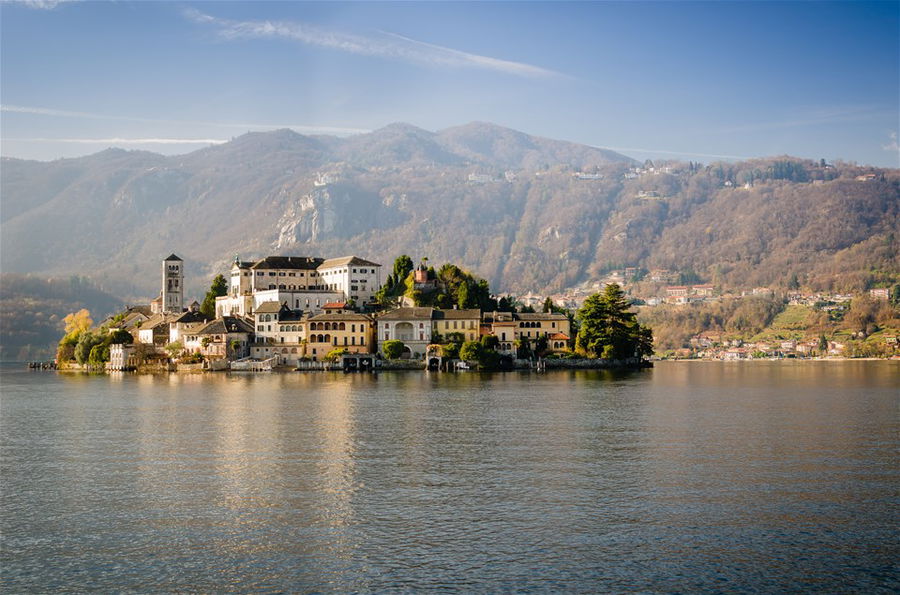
(271, 273)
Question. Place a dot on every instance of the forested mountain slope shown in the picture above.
(528, 214)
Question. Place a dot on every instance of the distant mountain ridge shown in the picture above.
(506, 205)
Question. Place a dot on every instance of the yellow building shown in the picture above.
(510, 328)
(338, 329)
(467, 322)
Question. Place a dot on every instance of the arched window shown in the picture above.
(293, 350)
(327, 326)
(342, 326)
(326, 339)
(284, 350)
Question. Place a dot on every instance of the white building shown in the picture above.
(302, 282)
(356, 278)
(412, 326)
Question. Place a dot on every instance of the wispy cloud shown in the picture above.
(892, 144)
(122, 141)
(386, 45)
(302, 128)
(38, 4)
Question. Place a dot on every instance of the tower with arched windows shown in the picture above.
(172, 284)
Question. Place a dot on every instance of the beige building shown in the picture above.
(466, 322)
(338, 328)
(510, 328)
(280, 332)
(222, 338)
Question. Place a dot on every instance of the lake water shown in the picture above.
(690, 477)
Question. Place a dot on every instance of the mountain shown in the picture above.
(527, 213)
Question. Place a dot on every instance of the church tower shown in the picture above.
(173, 284)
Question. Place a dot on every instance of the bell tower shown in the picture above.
(173, 284)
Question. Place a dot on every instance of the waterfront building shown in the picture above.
(512, 327)
(280, 332)
(466, 322)
(411, 325)
(223, 338)
(338, 328)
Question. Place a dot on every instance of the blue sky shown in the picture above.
(697, 81)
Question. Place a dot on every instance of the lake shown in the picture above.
(688, 477)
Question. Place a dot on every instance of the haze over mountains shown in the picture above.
(506, 205)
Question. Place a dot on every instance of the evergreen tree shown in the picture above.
(548, 306)
(218, 288)
(609, 328)
(402, 267)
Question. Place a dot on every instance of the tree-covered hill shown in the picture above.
(32, 311)
(525, 213)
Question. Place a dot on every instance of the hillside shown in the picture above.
(506, 205)
(32, 311)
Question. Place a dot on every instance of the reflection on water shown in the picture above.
(689, 477)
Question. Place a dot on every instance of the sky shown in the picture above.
(680, 80)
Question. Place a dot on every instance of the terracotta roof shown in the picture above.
(467, 314)
(334, 305)
(407, 314)
(347, 260)
(559, 337)
(288, 262)
(343, 316)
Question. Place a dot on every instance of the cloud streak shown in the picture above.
(302, 128)
(39, 4)
(892, 145)
(387, 45)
